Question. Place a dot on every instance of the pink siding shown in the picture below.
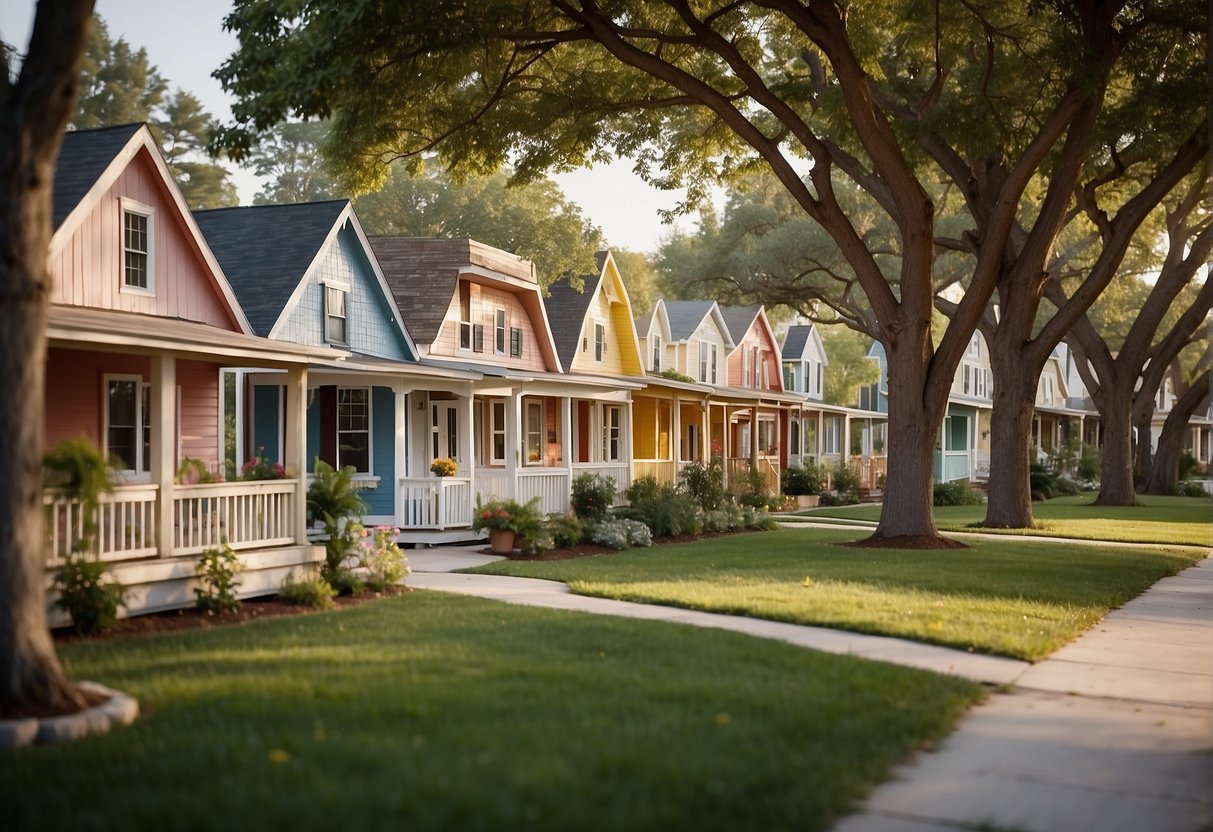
(485, 300)
(86, 269)
(756, 336)
(74, 383)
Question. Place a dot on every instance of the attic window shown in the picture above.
(138, 256)
(335, 329)
(499, 331)
(599, 341)
(656, 353)
(515, 342)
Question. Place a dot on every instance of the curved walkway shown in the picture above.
(1114, 732)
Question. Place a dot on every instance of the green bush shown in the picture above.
(957, 493)
(86, 595)
(1088, 468)
(704, 484)
(217, 570)
(1187, 464)
(333, 500)
(382, 558)
(1187, 488)
(621, 534)
(345, 581)
(566, 530)
(666, 511)
(798, 480)
(846, 481)
(593, 496)
(1046, 484)
(523, 519)
(311, 591)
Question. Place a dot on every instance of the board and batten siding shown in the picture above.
(87, 268)
(370, 317)
(485, 301)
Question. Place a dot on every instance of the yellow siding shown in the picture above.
(622, 357)
(644, 427)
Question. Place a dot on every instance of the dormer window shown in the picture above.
(336, 330)
(656, 353)
(138, 255)
(499, 331)
(599, 341)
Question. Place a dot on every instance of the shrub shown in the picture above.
(217, 570)
(345, 581)
(797, 480)
(566, 530)
(382, 557)
(1187, 464)
(621, 534)
(1088, 468)
(666, 511)
(831, 498)
(704, 484)
(1046, 484)
(674, 375)
(76, 468)
(1187, 488)
(846, 481)
(593, 496)
(312, 591)
(539, 542)
(755, 518)
(87, 594)
(957, 493)
(333, 500)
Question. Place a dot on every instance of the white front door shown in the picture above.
(444, 430)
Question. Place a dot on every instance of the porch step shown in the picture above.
(433, 537)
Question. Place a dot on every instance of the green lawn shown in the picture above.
(439, 712)
(1017, 598)
(1173, 520)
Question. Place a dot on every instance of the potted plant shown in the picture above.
(444, 466)
(802, 483)
(506, 521)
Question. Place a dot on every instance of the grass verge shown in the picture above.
(1169, 520)
(437, 712)
(1016, 598)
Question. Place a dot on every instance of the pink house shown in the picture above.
(141, 324)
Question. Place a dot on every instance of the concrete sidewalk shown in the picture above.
(1114, 732)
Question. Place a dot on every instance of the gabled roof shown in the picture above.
(267, 249)
(739, 319)
(83, 157)
(91, 161)
(566, 312)
(685, 316)
(795, 340)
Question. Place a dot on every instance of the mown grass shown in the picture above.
(1017, 598)
(437, 712)
(1169, 520)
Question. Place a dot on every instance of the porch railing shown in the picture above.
(550, 485)
(869, 469)
(435, 503)
(493, 483)
(126, 524)
(739, 473)
(618, 471)
(955, 466)
(245, 515)
(665, 471)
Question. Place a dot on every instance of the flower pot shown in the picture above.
(501, 541)
(807, 500)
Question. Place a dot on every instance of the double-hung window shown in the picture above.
(138, 254)
(497, 432)
(656, 353)
(599, 341)
(612, 432)
(499, 331)
(354, 428)
(703, 360)
(465, 315)
(534, 433)
(336, 330)
(128, 431)
(715, 363)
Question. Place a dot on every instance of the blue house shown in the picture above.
(305, 273)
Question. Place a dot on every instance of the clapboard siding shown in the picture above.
(756, 336)
(584, 358)
(485, 301)
(86, 268)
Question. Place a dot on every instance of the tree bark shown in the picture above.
(1010, 497)
(34, 113)
(1164, 474)
(1116, 478)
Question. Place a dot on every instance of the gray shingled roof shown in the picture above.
(83, 157)
(796, 340)
(738, 319)
(566, 309)
(266, 249)
(645, 321)
(422, 273)
(685, 316)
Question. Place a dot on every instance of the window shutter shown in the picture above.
(327, 398)
(515, 342)
(478, 337)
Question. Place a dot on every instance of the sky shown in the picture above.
(186, 41)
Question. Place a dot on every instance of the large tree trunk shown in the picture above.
(1116, 477)
(1010, 499)
(1143, 453)
(1164, 474)
(33, 116)
(914, 417)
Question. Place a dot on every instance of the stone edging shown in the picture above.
(118, 709)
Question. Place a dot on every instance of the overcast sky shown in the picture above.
(185, 39)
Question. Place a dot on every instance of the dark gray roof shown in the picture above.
(83, 157)
(796, 340)
(266, 249)
(739, 318)
(645, 321)
(566, 309)
(685, 316)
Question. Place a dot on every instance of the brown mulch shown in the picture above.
(252, 609)
(907, 541)
(590, 550)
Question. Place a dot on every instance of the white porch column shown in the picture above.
(754, 436)
(469, 440)
(400, 449)
(566, 433)
(845, 451)
(817, 437)
(727, 444)
(705, 432)
(513, 435)
(163, 449)
(294, 444)
(628, 432)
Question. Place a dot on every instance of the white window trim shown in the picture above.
(600, 346)
(704, 366)
(133, 206)
(655, 353)
(345, 289)
(500, 331)
(137, 471)
(370, 431)
(494, 429)
(715, 363)
(605, 430)
(531, 405)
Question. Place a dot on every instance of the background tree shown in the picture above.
(1164, 472)
(639, 276)
(120, 85)
(989, 96)
(35, 106)
(532, 220)
(850, 367)
(289, 155)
